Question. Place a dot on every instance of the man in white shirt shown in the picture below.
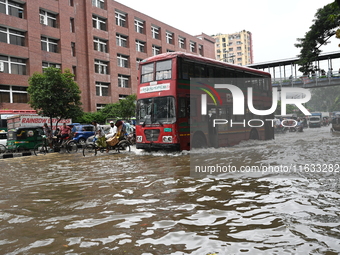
(113, 130)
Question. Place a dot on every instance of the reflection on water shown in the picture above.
(142, 203)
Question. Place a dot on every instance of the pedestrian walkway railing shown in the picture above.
(308, 81)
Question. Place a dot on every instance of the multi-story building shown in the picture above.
(234, 48)
(100, 41)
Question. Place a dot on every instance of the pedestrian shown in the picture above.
(49, 135)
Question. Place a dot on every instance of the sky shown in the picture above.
(275, 25)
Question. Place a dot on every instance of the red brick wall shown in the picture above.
(85, 54)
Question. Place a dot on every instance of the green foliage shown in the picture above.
(54, 94)
(124, 109)
(289, 108)
(326, 21)
(324, 99)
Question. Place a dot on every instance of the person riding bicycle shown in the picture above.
(99, 134)
(65, 132)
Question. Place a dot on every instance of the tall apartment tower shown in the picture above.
(234, 48)
(100, 41)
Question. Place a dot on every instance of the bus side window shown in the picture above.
(181, 107)
(185, 71)
(192, 107)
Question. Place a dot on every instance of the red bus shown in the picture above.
(169, 103)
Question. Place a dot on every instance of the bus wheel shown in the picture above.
(199, 141)
(254, 135)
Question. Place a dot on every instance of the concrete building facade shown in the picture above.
(234, 48)
(100, 41)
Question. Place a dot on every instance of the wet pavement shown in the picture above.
(147, 203)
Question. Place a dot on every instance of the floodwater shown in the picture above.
(147, 203)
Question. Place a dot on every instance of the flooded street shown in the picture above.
(147, 203)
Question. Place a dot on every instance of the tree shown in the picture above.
(324, 99)
(326, 22)
(124, 109)
(54, 94)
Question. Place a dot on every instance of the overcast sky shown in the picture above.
(275, 25)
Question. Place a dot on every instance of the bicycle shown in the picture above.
(43, 147)
(2, 148)
(94, 148)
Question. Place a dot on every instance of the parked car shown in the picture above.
(83, 132)
(3, 138)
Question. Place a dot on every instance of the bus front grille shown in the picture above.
(152, 134)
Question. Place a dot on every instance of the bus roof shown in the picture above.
(170, 55)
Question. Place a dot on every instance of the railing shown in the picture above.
(308, 81)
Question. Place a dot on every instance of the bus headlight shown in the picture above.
(167, 139)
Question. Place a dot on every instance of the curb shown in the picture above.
(15, 155)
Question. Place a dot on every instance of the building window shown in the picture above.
(121, 40)
(123, 81)
(122, 97)
(12, 8)
(181, 42)
(101, 67)
(138, 60)
(139, 26)
(13, 94)
(120, 19)
(140, 46)
(70, 2)
(100, 44)
(192, 46)
(73, 49)
(14, 65)
(99, 23)
(100, 106)
(98, 3)
(48, 44)
(102, 89)
(12, 36)
(72, 25)
(200, 49)
(169, 37)
(47, 64)
(74, 71)
(122, 61)
(156, 50)
(155, 32)
(48, 18)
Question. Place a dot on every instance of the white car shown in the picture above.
(3, 138)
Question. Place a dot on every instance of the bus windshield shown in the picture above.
(158, 110)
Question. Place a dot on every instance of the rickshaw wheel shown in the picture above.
(2, 149)
(89, 150)
(123, 146)
(72, 147)
(40, 149)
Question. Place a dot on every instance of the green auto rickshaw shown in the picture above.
(24, 138)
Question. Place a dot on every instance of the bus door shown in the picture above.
(183, 121)
(213, 113)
